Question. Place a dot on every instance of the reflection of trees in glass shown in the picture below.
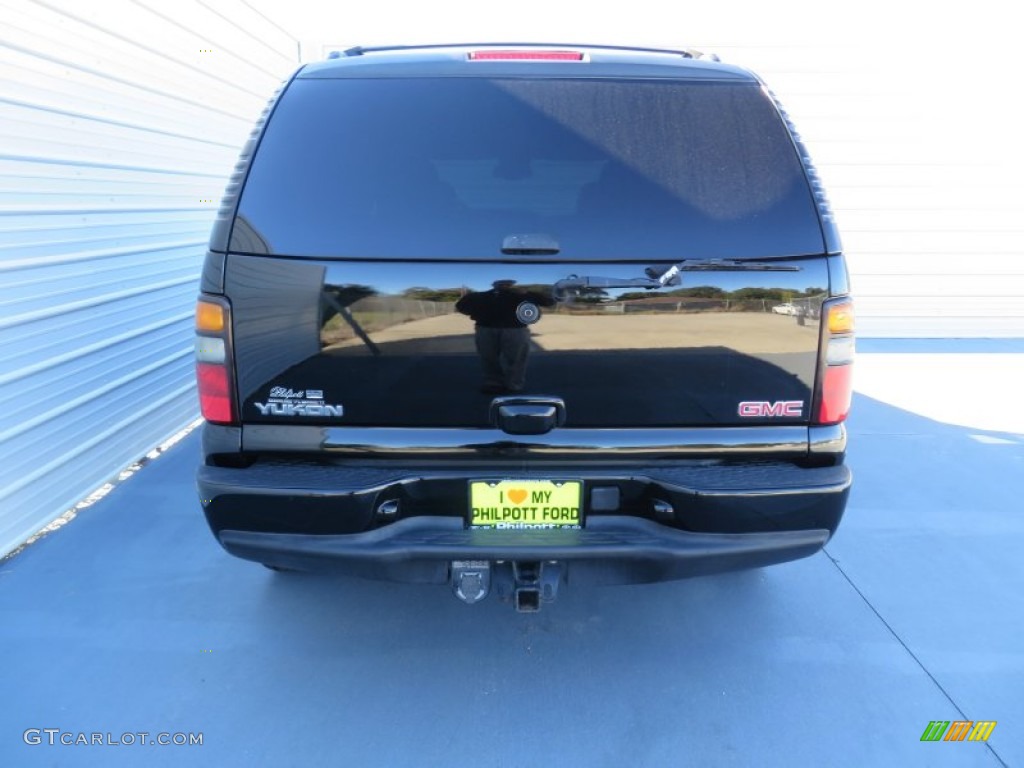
(752, 294)
(696, 292)
(641, 295)
(702, 292)
(419, 293)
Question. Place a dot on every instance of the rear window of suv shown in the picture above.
(448, 168)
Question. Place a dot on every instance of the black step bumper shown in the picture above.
(610, 550)
(726, 516)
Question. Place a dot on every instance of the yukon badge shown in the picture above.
(763, 409)
(285, 401)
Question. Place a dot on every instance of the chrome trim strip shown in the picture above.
(776, 441)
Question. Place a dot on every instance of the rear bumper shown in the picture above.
(611, 549)
(727, 516)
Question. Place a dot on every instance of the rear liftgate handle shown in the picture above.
(533, 415)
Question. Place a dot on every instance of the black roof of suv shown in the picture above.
(488, 313)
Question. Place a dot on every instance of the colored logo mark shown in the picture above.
(958, 730)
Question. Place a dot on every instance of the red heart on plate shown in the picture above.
(517, 495)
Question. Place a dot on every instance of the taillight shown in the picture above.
(836, 382)
(210, 317)
(525, 55)
(214, 372)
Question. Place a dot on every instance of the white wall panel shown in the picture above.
(119, 124)
(911, 121)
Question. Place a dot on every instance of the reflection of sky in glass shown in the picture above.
(448, 167)
(548, 188)
(721, 149)
(713, 147)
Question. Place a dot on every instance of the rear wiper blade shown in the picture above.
(671, 275)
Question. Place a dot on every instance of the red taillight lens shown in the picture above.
(836, 393)
(214, 393)
(525, 56)
(836, 378)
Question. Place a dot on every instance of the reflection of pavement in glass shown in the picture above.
(751, 333)
(445, 334)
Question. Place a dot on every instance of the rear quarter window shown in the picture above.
(447, 168)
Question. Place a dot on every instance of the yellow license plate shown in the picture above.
(519, 504)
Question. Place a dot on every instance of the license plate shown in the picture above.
(519, 504)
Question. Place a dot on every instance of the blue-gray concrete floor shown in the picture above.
(131, 619)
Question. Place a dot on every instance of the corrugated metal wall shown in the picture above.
(119, 124)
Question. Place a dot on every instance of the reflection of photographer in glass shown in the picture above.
(502, 315)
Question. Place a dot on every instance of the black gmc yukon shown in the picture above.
(502, 316)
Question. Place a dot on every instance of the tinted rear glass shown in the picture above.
(448, 168)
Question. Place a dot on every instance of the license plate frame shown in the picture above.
(519, 504)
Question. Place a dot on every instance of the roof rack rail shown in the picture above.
(359, 50)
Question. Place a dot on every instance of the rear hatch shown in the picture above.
(656, 242)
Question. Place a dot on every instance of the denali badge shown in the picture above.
(285, 401)
(760, 408)
(285, 392)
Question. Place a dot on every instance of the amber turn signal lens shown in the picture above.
(840, 317)
(209, 317)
